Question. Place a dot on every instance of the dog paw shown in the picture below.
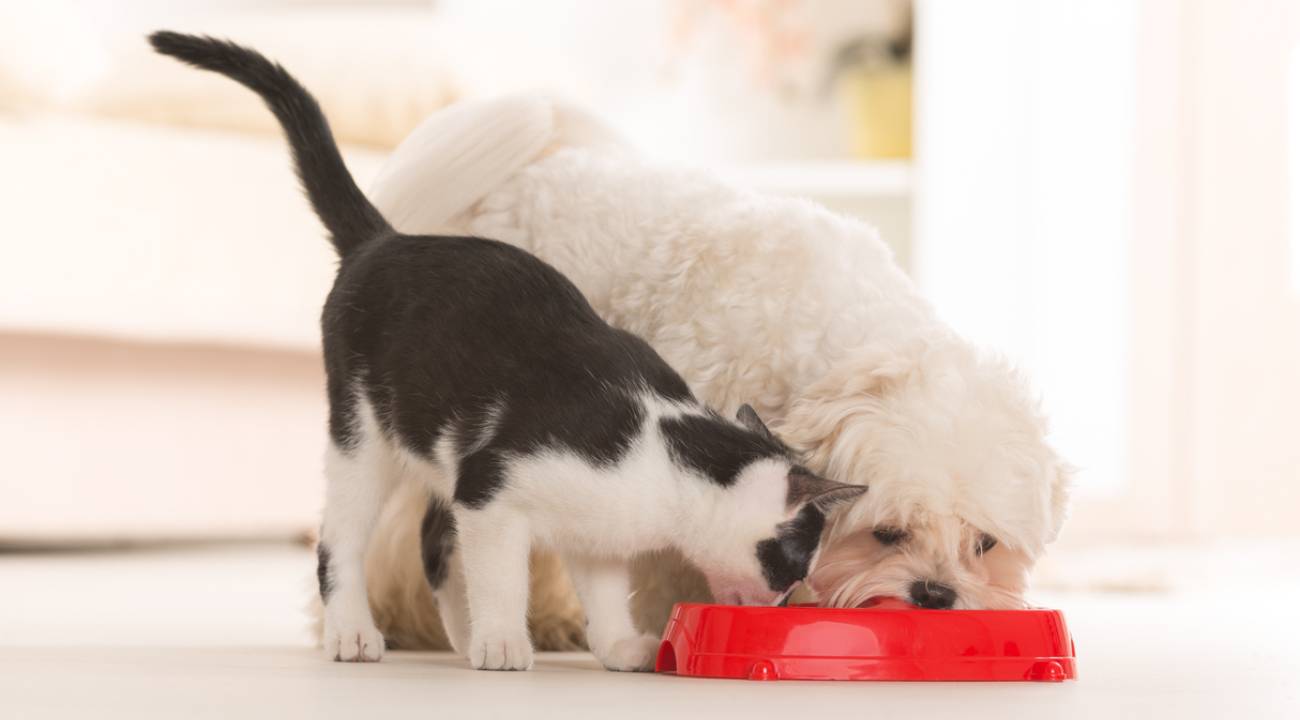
(501, 650)
(355, 641)
(630, 654)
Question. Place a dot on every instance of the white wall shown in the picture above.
(1246, 341)
(1024, 142)
(1103, 192)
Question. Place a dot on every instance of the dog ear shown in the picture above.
(1062, 482)
(809, 489)
(749, 418)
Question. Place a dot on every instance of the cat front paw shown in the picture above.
(357, 640)
(510, 650)
(630, 654)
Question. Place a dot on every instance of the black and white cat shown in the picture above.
(475, 368)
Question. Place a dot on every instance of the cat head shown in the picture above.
(756, 523)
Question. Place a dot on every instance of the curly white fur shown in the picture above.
(783, 304)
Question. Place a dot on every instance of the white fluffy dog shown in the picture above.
(772, 301)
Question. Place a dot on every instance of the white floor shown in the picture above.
(219, 633)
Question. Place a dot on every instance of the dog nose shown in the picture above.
(932, 595)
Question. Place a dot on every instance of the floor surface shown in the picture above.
(210, 632)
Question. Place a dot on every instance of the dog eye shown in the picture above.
(889, 536)
(987, 543)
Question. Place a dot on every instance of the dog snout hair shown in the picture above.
(932, 595)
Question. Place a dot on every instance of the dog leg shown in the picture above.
(604, 588)
(445, 572)
(453, 606)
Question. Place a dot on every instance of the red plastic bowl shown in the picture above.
(885, 640)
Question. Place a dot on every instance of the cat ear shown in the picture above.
(747, 417)
(809, 489)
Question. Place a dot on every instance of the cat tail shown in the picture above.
(350, 218)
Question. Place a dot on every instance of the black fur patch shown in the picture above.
(437, 542)
(716, 448)
(786, 557)
(323, 572)
(342, 417)
(440, 332)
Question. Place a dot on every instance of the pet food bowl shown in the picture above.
(886, 639)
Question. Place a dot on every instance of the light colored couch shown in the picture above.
(162, 276)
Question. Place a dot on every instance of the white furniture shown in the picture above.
(162, 275)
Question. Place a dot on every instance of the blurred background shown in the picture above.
(1109, 192)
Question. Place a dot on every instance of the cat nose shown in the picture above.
(932, 595)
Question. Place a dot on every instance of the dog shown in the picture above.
(773, 300)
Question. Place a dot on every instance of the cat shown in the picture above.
(477, 369)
